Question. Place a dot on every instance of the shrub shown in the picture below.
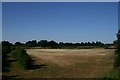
(14, 54)
(117, 61)
(25, 61)
(22, 57)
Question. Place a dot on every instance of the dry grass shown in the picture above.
(74, 63)
(66, 63)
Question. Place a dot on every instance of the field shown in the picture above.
(66, 63)
(73, 63)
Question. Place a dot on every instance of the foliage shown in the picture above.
(18, 44)
(6, 49)
(117, 61)
(23, 58)
(14, 53)
(31, 43)
(53, 44)
(43, 43)
(117, 52)
(112, 74)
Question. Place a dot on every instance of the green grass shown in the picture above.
(47, 71)
(114, 73)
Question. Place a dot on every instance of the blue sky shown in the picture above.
(65, 21)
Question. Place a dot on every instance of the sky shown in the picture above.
(60, 0)
(60, 21)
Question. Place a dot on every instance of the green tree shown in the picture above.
(52, 44)
(6, 49)
(43, 43)
(18, 44)
(32, 43)
(117, 52)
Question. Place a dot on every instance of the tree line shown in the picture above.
(53, 44)
(17, 50)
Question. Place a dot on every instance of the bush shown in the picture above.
(25, 61)
(22, 57)
(117, 61)
(14, 54)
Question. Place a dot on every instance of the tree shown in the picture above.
(100, 44)
(6, 49)
(93, 43)
(43, 43)
(52, 44)
(61, 45)
(32, 43)
(28, 44)
(82, 44)
(115, 42)
(86, 44)
(89, 44)
(18, 44)
(117, 52)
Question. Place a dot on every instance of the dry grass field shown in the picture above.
(65, 63)
(71, 63)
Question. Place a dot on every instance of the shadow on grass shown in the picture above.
(35, 65)
(5, 63)
(9, 77)
(14, 76)
(13, 60)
